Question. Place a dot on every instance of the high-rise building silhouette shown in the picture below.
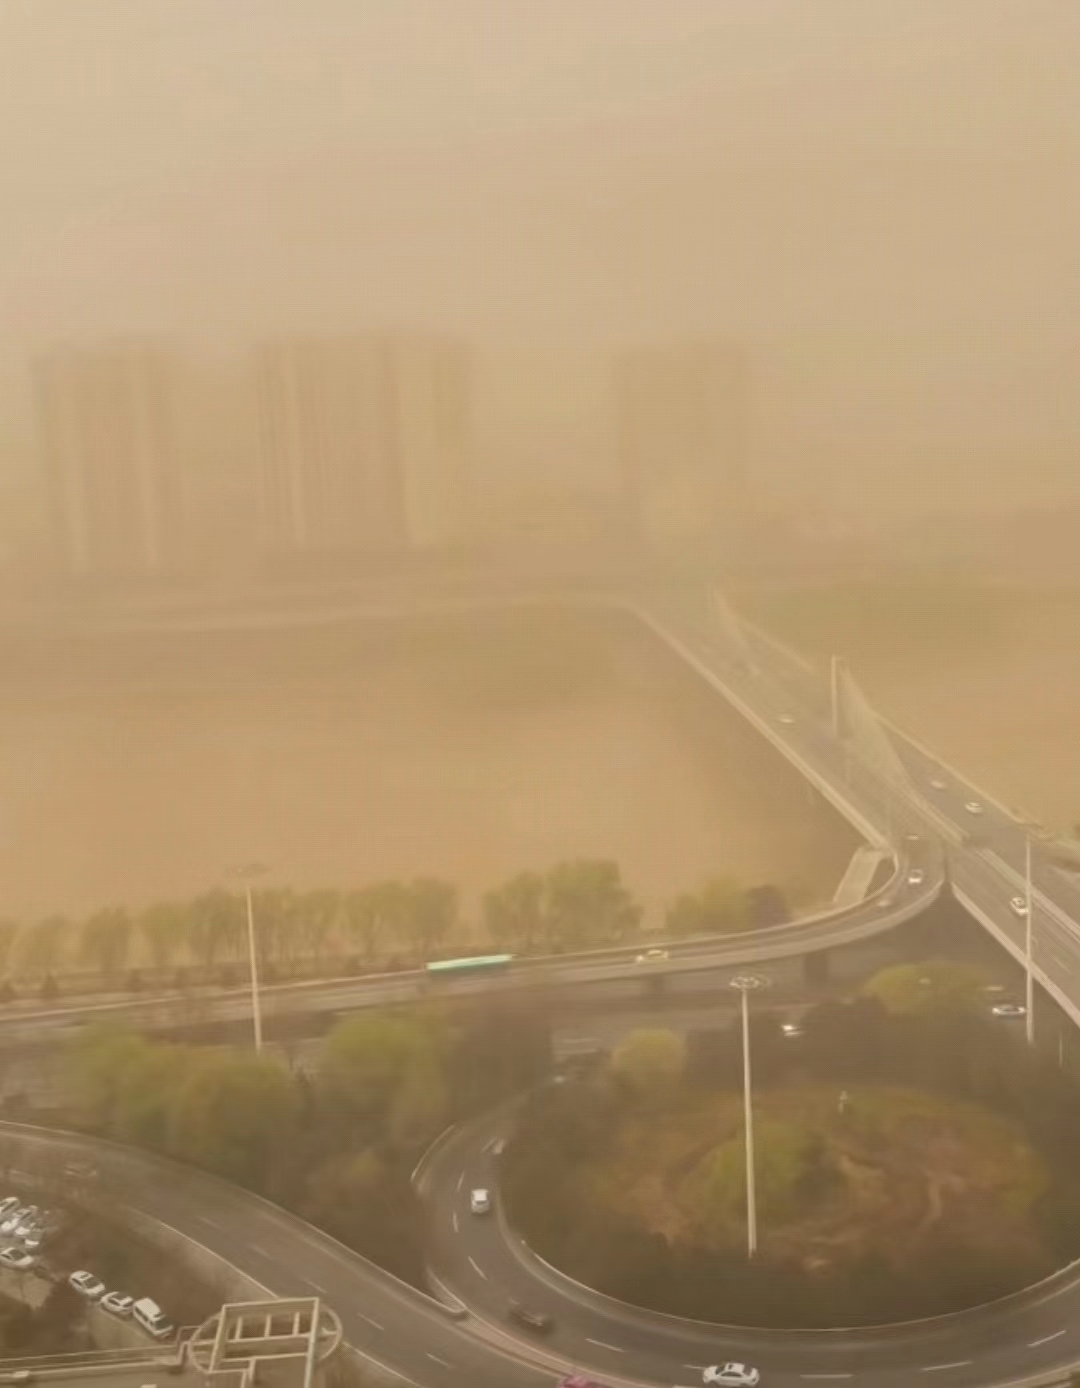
(106, 430)
(365, 444)
(683, 422)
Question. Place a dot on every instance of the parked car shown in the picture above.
(87, 1285)
(539, 1322)
(732, 1376)
(17, 1258)
(14, 1219)
(8, 1205)
(117, 1304)
(150, 1317)
(30, 1223)
(480, 1201)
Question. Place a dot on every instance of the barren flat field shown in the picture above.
(988, 676)
(141, 767)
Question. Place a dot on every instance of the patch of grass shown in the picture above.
(895, 1175)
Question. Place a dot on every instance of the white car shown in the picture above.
(1019, 906)
(29, 1223)
(14, 1219)
(1009, 1010)
(8, 1205)
(87, 1285)
(117, 1304)
(973, 807)
(916, 877)
(790, 1031)
(480, 1201)
(17, 1259)
(652, 956)
(732, 1375)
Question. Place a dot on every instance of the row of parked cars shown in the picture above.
(144, 1312)
(28, 1226)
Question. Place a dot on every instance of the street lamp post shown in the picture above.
(745, 984)
(246, 874)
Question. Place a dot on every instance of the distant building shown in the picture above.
(683, 424)
(105, 422)
(364, 444)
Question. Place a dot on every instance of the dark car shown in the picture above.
(539, 1322)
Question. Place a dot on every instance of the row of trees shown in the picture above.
(336, 1145)
(576, 905)
(945, 1044)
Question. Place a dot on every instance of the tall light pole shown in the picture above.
(1029, 942)
(246, 874)
(745, 984)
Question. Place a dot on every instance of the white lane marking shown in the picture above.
(478, 1268)
(322, 1290)
(260, 1251)
(1032, 1344)
(460, 1182)
(602, 1345)
(444, 1362)
(825, 1375)
(211, 1222)
(455, 1221)
(934, 1368)
(368, 1319)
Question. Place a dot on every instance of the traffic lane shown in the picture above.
(1035, 1333)
(383, 1320)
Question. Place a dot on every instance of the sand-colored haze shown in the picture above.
(141, 767)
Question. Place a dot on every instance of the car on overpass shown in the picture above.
(652, 956)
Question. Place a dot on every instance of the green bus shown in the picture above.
(465, 968)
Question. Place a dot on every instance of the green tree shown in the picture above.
(430, 913)
(515, 914)
(215, 926)
(96, 1067)
(43, 946)
(366, 1060)
(317, 916)
(934, 985)
(105, 941)
(8, 933)
(374, 913)
(719, 908)
(162, 928)
(651, 1063)
(419, 1109)
(232, 1114)
(588, 904)
(370, 1205)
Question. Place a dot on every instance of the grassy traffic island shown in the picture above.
(879, 1199)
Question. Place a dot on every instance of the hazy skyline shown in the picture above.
(882, 199)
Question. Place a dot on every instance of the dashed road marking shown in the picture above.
(477, 1268)
(211, 1222)
(322, 1290)
(935, 1368)
(1032, 1344)
(825, 1375)
(455, 1221)
(600, 1344)
(460, 1182)
(260, 1251)
(369, 1320)
(444, 1362)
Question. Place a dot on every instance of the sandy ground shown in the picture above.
(994, 689)
(136, 768)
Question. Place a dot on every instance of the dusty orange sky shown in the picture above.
(882, 198)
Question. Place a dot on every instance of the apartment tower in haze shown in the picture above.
(364, 445)
(105, 422)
